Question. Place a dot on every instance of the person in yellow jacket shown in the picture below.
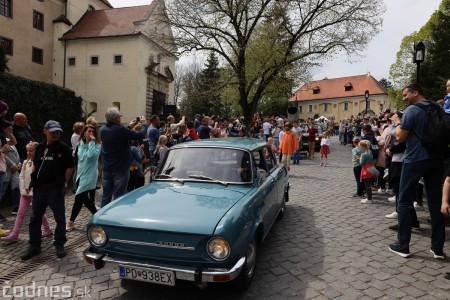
(288, 145)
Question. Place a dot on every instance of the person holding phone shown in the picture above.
(86, 179)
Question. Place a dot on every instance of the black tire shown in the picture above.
(283, 207)
(243, 281)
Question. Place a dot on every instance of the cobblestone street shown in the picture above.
(327, 246)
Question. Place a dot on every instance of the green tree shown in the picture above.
(435, 34)
(190, 88)
(302, 30)
(386, 83)
(434, 71)
(209, 100)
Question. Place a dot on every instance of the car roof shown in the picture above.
(232, 142)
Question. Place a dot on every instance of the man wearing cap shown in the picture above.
(52, 170)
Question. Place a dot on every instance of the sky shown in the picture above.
(402, 17)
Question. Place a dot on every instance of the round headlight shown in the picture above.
(218, 248)
(97, 236)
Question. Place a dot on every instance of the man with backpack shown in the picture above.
(419, 161)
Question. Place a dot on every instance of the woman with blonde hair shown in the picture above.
(160, 150)
(367, 169)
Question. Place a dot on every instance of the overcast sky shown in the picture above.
(402, 17)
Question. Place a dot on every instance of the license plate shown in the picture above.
(147, 275)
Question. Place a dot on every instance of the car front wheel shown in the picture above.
(244, 279)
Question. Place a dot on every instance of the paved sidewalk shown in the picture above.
(327, 246)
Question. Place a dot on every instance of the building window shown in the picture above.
(6, 8)
(300, 109)
(38, 20)
(117, 59)
(72, 61)
(37, 56)
(7, 44)
(325, 107)
(116, 104)
(348, 87)
(94, 60)
(316, 90)
(310, 108)
(92, 108)
(345, 106)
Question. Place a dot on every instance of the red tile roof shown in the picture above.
(335, 88)
(110, 22)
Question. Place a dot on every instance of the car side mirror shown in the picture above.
(261, 176)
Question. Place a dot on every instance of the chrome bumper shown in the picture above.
(196, 274)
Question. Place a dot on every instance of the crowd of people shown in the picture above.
(388, 151)
(387, 155)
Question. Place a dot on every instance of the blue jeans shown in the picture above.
(43, 197)
(296, 156)
(431, 171)
(114, 185)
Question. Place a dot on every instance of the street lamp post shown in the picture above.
(366, 96)
(419, 57)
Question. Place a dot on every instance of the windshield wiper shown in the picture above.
(208, 178)
(167, 176)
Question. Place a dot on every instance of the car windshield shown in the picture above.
(207, 164)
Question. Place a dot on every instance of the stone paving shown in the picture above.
(327, 246)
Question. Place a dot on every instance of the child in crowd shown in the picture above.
(161, 149)
(26, 198)
(324, 148)
(288, 145)
(272, 146)
(366, 161)
(356, 153)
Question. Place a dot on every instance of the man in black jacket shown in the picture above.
(22, 132)
(52, 170)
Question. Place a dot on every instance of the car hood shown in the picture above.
(190, 207)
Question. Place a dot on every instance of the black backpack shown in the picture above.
(437, 127)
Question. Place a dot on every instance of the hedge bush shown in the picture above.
(40, 102)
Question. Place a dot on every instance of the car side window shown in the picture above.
(260, 159)
(271, 161)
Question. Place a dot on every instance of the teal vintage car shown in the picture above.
(203, 216)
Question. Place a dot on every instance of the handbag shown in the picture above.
(374, 171)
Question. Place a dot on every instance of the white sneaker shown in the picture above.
(392, 216)
(391, 199)
(381, 191)
(366, 201)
